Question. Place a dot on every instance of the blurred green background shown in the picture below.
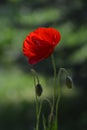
(17, 99)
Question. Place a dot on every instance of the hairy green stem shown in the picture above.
(59, 93)
(58, 99)
(38, 109)
(54, 68)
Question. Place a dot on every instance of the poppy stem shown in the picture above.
(58, 99)
(61, 70)
(55, 82)
(35, 75)
(38, 109)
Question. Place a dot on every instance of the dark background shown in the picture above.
(17, 103)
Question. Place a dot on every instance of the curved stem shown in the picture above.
(51, 112)
(35, 75)
(59, 93)
(38, 110)
(58, 99)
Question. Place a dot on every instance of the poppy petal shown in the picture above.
(40, 44)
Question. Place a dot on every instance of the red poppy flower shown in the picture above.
(40, 44)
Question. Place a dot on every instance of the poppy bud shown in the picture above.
(69, 82)
(38, 90)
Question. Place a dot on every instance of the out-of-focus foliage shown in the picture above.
(17, 19)
(20, 17)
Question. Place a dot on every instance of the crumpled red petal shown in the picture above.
(40, 44)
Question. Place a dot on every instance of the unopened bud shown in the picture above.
(69, 82)
(38, 90)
